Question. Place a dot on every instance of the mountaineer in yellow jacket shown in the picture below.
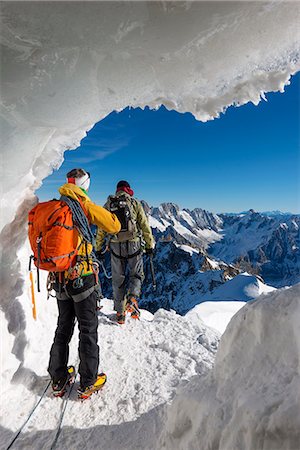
(76, 293)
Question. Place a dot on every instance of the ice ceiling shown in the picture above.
(66, 65)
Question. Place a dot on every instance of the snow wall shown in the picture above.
(251, 398)
(66, 65)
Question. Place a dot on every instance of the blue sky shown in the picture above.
(248, 158)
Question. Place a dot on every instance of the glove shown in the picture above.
(100, 256)
(149, 251)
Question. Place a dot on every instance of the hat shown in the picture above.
(80, 178)
(123, 183)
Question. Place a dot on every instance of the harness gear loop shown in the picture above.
(50, 283)
(77, 283)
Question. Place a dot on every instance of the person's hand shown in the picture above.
(100, 256)
(149, 251)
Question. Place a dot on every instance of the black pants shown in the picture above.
(86, 313)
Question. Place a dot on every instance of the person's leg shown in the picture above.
(136, 271)
(59, 353)
(118, 268)
(86, 313)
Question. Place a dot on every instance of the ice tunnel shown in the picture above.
(67, 65)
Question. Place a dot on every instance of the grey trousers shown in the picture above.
(127, 272)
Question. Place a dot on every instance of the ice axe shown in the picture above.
(152, 272)
(32, 289)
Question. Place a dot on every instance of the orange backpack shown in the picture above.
(52, 235)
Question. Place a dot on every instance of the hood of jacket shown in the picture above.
(73, 191)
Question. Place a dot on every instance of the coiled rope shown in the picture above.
(80, 221)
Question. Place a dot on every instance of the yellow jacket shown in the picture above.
(96, 215)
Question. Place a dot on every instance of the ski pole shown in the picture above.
(152, 272)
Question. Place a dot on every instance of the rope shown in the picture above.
(81, 223)
(109, 277)
(59, 426)
(29, 417)
(79, 219)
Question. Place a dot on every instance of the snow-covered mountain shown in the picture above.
(198, 227)
(269, 244)
(184, 277)
(253, 242)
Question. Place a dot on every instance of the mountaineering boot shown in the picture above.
(121, 318)
(86, 392)
(133, 307)
(59, 388)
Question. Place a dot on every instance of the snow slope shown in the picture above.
(215, 314)
(243, 287)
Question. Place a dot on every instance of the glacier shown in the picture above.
(64, 67)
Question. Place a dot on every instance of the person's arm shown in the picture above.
(143, 223)
(100, 238)
(102, 218)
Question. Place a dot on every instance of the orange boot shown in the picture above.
(121, 318)
(133, 307)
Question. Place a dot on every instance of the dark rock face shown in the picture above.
(282, 257)
(181, 278)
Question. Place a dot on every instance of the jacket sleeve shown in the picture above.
(102, 218)
(143, 224)
(100, 239)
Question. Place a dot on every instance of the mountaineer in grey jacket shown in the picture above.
(126, 249)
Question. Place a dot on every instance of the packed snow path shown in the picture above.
(145, 362)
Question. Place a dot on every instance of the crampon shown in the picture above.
(85, 393)
(132, 307)
(59, 389)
